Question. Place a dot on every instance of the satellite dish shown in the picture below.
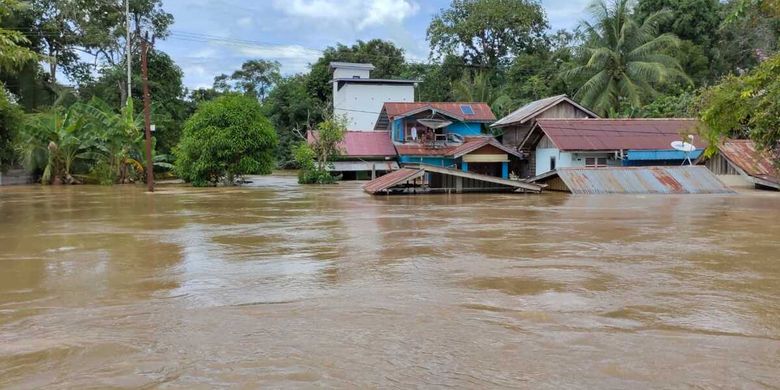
(685, 147)
(434, 123)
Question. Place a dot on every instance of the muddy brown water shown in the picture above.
(277, 285)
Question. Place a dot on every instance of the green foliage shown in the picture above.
(13, 53)
(10, 120)
(255, 78)
(486, 32)
(745, 106)
(624, 61)
(225, 138)
(316, 157)
(292, 109)
(478, 88)
(169, 110)
(308, 171)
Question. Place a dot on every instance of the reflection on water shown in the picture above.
(276, 285)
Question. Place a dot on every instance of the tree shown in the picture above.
(749, 34)
(225, 138)
(478, 89)
(255, 78)
(71, 31)
(169, 109)
(486, 32)
(387, 59)
(13, 53)
(10, 120)
(746, 106)
(316, 157)
(292, 109)
(624, 61)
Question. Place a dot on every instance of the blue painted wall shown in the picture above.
(437, 161)
(398, 130)
(466, 129)
(662, 154)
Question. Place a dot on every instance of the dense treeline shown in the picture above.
(644, 58)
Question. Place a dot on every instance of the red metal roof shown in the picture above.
(422, 150)
(616, 134)
(482, 112)
(743, 154)
(392, 179)
(475, 143)
(363, 143)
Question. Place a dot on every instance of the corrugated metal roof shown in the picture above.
(530, 110)
(482, 112)
(363, 143)
(639, 180)
(745, 156)
(392, 179)
(475, 143)
(617, 134)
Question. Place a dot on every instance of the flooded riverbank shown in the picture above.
(277, 285)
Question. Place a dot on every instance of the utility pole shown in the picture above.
(129, 53)
(147, 113)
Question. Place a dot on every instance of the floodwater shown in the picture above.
(276, 285)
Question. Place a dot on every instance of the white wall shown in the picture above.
(568, 159)
(348, 73)
(362, 102)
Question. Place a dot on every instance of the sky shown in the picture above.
(211, 37)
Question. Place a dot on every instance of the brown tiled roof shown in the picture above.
(616, 134)
(482, 112)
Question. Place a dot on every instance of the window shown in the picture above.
(466, 109)
(595, 162)
(552, 163)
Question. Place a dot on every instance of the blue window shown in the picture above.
(466, 109)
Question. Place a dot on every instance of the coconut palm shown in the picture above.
(477, 88)
(625, 60)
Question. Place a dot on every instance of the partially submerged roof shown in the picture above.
(363, 144)
(533, 109)
(392, 179)
(462, 111)
(404, 175)
(637, 180)
(613, 134)
(744, 155)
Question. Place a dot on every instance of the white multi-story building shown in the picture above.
(360, 98)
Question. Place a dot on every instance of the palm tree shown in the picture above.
(477, 88)
(626, 61)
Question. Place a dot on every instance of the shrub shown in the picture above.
(225, 138)
(308, 172)
(10, 120)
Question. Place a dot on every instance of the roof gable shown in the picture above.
(535, 108)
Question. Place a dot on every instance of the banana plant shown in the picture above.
(54, 141)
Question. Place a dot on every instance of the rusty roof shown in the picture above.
(392, 179)
(638, 180)
(743, 154)
(475, 143)
(614, 134)
(482, 112)
(533, 109)
(363, 143)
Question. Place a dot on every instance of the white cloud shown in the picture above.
(294, 58)
(360, 13)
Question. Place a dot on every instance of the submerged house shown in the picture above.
(738, 162)
(447, 135)
(516, 126)
(593, 143)
(364, 155)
